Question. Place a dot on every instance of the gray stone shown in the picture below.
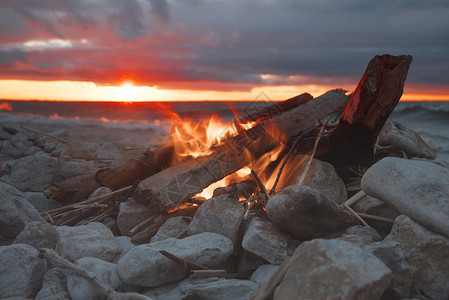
(130, 215)
(403, 138)
(428, 254)
(33, 173)
(124, 245)
(82, 289)
(305, 213)
(15, 212)
(321, 176)
(91, 240)
(40, 202)
(264, 239)
(396, 259)
(54, 286)
(359, 235)
(263, 274)
(222, 215)
(418, 189)
(21, 271)
(248, 261)
(333, 269)
(372, 206)
(38, 235)
(145, 266)
(172, 228)
(211, 289)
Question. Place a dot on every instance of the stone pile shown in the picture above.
(305, 239)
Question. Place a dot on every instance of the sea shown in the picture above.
(149, 122)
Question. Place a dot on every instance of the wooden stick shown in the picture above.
(183, 261)
(142, 224)
(273, 189)
(376, 218)
(355, 214)
(90, 205)
(309, 162)
(44, 133)
(207, 273)
(70, 206)
(7, 182)
(358, 196)
(263, 189)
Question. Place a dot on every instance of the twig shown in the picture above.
(377, 218)
(273, 189)
(353, 188)
(183, 261)
(7, 182)
(266, 289)
(263, 189)
(358, 196)
(44, 133)
(90, 205)
(247, 209)
(142, 224)
(70, 206)
(67, 266)
(103, 215)
(355, 214)
(207, 273)
(88, 158)
(306, 169)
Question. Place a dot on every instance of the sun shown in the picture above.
(128, 92)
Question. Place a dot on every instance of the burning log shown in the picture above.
(173, 185)
(376, 95)
(146, 164)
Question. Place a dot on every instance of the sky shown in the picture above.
(132, 50)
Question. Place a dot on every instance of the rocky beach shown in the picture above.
(307, 243)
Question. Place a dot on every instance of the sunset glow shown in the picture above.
(140, 50)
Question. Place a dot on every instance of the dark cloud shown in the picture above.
(8, 58)
(161, 10)
(224, 42)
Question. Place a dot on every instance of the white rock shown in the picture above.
(130, 215)
(418, 189)
(400, 137)
(33, 173)
(21, 271)
(333, 269)
(38, 235)
(359, 235)
(172, 228)
(15, 212)
(222, 215)
(428, 254)
(91, 240)
(40, 202)
(145, 266)
(263, 274)
(321, 176)
(124, 245)
(396, 259)
(264, 239)
(54, 286)
(82, 289)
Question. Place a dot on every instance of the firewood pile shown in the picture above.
(263, 192)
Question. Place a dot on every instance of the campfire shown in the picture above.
(252, 157)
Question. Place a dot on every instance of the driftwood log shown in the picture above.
(173, 185)
(148, 163)
(376, 95)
